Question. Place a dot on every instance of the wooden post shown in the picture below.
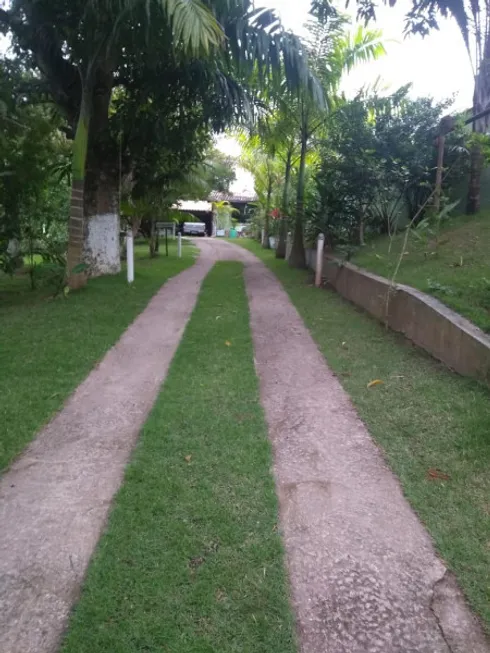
(440, 165)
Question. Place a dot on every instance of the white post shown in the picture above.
(130, 254)
(288, 246)
(179, 245)
(319, 260)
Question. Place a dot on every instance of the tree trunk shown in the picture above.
(76, 224)
(361, 231)
(102, 246)
(283, 227)
(481, 100)
(297, 258)
(440, 166)
(266, 242)
(135, 226)
(153, 239)
(474, 188)
(95, 197)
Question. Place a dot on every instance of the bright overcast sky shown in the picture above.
(437, 65)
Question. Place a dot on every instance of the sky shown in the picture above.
(437, 66)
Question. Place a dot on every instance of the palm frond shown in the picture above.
(194, 26)
(360, 46)
(457, 9)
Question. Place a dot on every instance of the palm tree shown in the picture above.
(224, 212)
(78, 47)
(194, 28)
(278, 134)
(331, 51)
(259, 158)
(473, 19)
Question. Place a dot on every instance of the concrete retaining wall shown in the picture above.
(427, 322)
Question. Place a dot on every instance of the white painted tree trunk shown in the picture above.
(102, 248)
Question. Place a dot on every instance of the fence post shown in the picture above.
(289, 245)
(179, 244)
(440, 166)
(319, 260)
(130, 254)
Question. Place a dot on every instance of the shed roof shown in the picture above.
(243, 198)
(193, 206)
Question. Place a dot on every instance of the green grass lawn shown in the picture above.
(192, 560)
(457, 271)
(423, 416)
(48, 346)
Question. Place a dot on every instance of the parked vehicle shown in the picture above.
(194, 229)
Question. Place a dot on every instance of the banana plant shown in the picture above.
(223, 212)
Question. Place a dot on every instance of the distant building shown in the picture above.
(241, 202)
(196, 211)
(202, 211)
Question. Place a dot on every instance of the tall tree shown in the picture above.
(283, 134)
(33, 154)
(80, 49)
(259, 159)
(473, 20)
(332, 50)
(219, 171)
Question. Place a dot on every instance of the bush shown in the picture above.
(377, 166)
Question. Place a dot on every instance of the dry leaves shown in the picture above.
(436, 474)
(188, 459)
(371, 384)
(220, 595)
(194, 563)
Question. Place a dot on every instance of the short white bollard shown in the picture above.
(130, 254)
(289, 246)
(319, 260)
(179, 245)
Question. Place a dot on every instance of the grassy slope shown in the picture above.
(48, 346)
(424, 417)
(192, 561)
(457, 272)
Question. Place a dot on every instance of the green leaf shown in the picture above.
(193, 25)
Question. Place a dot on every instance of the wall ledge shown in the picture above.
(443, 333)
